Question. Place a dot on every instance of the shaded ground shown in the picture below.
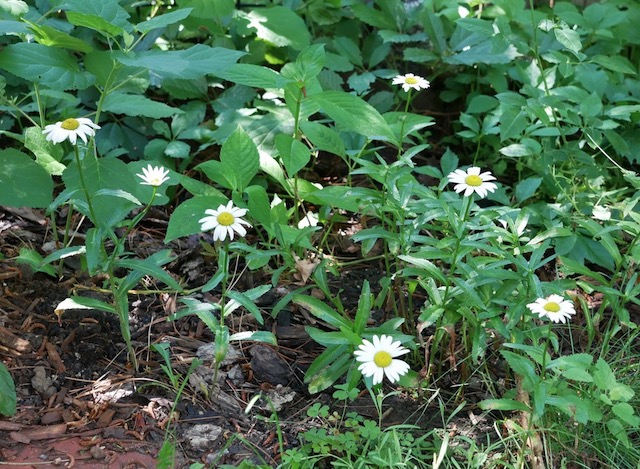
(81, 405)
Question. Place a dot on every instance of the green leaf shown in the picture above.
(23, 183)
(48, 36)
(353, 114)
(147, 267)
(255, 76)
(323, 138)
(8, 398)
(503, 405)
(257, 336)
(191, 63)
(617, 430)
(51, 67)
(294, 154)
(111, 15)
(516, 150)
(177, 149)
(568, 38)
(523, 367)
(616, 63)
(184, 219)
(94, 304)
(163, 20)
(240, 159)
(95, 23)
(322, 311)
(603, 375)
(137, 105)
(280, 26)
(526, 188)
(625, 413)
(47, 154)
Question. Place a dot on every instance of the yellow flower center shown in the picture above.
(552, 307)
(226, 219)
(410, 81)
(70, 124)
(382, 359)
(473, 180)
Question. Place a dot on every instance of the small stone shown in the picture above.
(268, 367)
(203, 436)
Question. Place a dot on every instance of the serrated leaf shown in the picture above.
(163, 20)
(51, 67)
(323, 137)
(137, 105)
(240, 159)
(294, 154)
(23, 183)
(353, 114)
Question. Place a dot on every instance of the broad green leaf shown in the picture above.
(372, 17)
(94, 22)
(240, 158)
(208, 9)
(12, 27)
(23, 183)
(329, 375)
(35, 261)
(616, 63)
(516, 150)
(522, 366)
(568, 38)
(184, 219)
(163, 20)
(99, 174)
(353, 114)
(308, 64)
(113, 17)
(48, 36)
(255, 76)
(526, 188)
(617, 430)
(323, 138)
(48, 66)
(177, 149)
(280, 26)
(47, 154)
(294, 154)
(624, 412)
(137, 105)
(14, 7)
(603, 375)
(194, 62)
(8, 398)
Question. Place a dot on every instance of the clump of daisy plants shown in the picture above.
(501, 251)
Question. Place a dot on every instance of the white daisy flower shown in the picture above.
(225, 221)
(554, 307)
(601, 213)
(409, 81)
(70, 129)
(153, 176)
(471, 181)
(378, 358)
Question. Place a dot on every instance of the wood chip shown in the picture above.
(27, 435)
(12, 341)
(54, 356)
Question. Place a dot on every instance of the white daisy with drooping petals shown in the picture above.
(378, 358)
(472, 180)
(70, 129)
(153, 176)
(411, 81)
(226, 220)
(554, 307)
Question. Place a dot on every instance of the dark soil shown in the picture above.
(81, 404)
